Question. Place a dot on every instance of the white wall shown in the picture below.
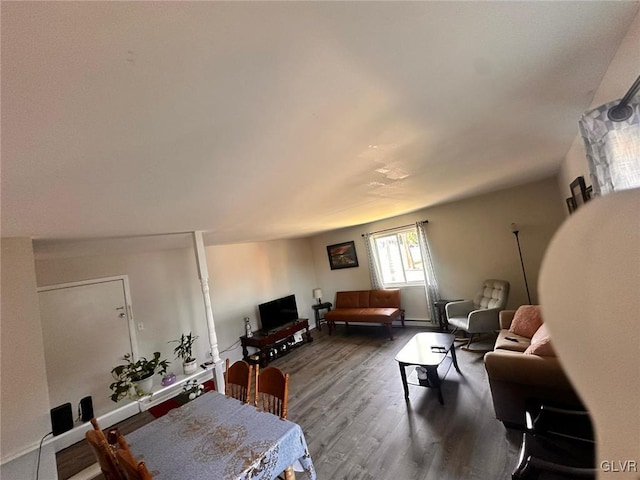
(166, 293)
(622, 72)
(24, 418)
(471, 240)
(245, 275)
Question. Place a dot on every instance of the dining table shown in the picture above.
(217, 437)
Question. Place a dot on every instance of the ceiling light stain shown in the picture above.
(392, 173)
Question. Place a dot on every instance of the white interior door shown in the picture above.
(87, 327)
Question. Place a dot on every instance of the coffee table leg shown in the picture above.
(453, 358)
(403, 374)
(434, 381)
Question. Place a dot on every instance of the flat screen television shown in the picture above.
(279, 312)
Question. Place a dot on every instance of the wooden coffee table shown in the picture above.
(429, 350)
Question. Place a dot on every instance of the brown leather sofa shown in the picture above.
(368, 306)
(518, 379)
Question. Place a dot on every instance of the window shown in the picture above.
(398, 257)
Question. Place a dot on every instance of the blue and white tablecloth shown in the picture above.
(215, 437)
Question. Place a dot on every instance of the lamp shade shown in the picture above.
(317, 293)
(612, 147)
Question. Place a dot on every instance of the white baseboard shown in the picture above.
(417, 322)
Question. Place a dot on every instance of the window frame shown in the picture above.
(397, 232)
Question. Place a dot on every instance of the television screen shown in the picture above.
(279, 312)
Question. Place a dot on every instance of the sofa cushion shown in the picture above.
(384, 298)
(520, 345)
(526, 321)
(541, 344)
(541, 334)
(348, 299)
(375, 315)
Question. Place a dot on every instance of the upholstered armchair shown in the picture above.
(480, 314)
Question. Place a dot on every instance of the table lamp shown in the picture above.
(317, 294)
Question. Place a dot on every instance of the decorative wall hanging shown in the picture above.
(342, 255)
(580, 194)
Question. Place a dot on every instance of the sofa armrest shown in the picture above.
(506, 317)
(515, 367)
(459, 309)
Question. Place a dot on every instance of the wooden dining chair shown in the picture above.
(237, 381)
(96, 427)
(132, 469)
(104, 454)
(272, 391)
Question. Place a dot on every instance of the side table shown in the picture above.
(441, 315)
(316, 310)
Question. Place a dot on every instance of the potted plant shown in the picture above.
(184, 350)
(135, 379)
(192, 389)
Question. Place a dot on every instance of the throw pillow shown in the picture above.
(541, 334)
(541, 343)
(542, 348)
(526, 321)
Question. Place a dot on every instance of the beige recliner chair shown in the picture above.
(481, 314)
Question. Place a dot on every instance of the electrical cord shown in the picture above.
(40, 451)
(232, 347)
(209, 364)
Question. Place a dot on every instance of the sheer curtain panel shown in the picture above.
(431, 289)
(374, 270)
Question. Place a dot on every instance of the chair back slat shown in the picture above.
(272, 391)
(237, 380)
(104, 454)
(133, 470)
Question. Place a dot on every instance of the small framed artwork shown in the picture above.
(589, 193)
(579, 192)
(571, 205)
(342, 255)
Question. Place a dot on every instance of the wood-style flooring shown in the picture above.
(346, 393)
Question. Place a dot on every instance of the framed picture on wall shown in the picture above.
(589, 193)
(342, 255)
(579, 192)
(571, 204)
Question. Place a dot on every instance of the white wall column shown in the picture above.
(203, 273)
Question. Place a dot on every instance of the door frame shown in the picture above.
(133, 339)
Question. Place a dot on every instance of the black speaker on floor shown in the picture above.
(61, 418)
(86, 409)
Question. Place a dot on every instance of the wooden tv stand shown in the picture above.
(272, 345)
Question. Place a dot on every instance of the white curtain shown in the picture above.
(613, 148)
(431, 289)
(374, 270)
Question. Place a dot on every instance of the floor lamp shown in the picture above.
(514, 229)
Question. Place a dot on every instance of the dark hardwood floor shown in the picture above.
(346, 393)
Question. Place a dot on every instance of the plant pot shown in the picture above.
(190, 367)
(145, 385)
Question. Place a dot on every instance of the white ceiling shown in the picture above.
(266, 120)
